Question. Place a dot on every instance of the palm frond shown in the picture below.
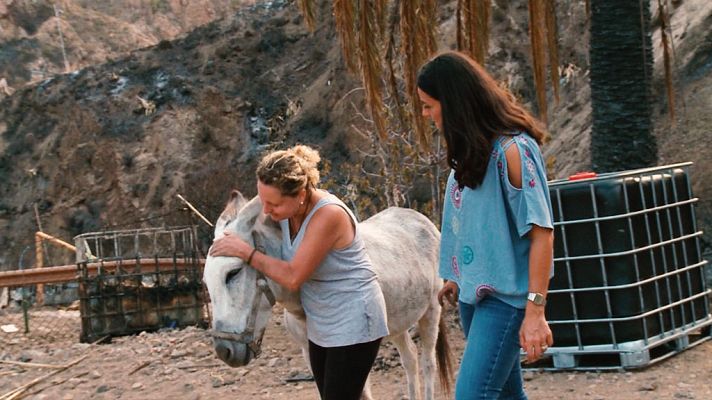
(307, 8)
(408, 49)
(344, 19)
(371, 46)
(381, 14)
(460, 40)
(370, 63)
(470, 26)
(473, 27)
(417, 44)
(390, 64)
(479, 29)
(537, 35)
(553, 46)
(429, 16)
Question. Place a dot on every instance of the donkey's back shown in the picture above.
(403, 247)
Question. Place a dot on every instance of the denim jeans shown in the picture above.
(490, 364)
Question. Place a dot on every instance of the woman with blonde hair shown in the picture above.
(324, 258)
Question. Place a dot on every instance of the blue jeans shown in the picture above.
(490, 364)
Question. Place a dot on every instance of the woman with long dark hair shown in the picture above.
(496, 249)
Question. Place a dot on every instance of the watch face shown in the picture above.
(536, 298)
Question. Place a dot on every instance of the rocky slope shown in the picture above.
(92, 32)
(110, 146)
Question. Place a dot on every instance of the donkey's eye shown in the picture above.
(232, 274)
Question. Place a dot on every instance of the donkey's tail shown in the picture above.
(443, 357)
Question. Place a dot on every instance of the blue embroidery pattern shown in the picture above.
(467, 255)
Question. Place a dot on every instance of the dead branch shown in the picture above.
(194, 210)
(19, 392)
(347, 95)
(28, 364)
(79, 375)
(138, 368)
(199, 366)
(148, 106)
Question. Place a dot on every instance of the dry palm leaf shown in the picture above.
(666, 43)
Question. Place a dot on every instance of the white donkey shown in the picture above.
(403, 247)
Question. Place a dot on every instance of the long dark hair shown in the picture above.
(475, 110)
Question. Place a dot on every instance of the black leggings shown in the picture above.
(340, 372)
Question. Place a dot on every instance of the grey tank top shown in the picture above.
(342, 299)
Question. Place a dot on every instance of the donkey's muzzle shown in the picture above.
(232, 353)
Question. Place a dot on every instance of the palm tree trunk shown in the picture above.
(621, 73)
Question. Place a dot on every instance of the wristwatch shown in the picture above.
(537, 298)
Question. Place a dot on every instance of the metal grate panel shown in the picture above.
(629, 282)
(138, 280)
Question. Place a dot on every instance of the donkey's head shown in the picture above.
(241, 299)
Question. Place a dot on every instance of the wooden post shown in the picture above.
(54, 240)
(39, 228)
(195, 210)
(40, 237)
(39, 263)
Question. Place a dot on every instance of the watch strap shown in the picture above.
(536, 298)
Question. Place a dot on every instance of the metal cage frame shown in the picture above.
(667, 279)
(139, 280)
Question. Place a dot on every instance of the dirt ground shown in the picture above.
(180, 364)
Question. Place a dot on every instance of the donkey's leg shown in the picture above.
(366, 394)
(409, 358)
(428, 328)
(297, 328)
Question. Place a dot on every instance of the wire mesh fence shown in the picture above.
(23, 320)
(124, 282)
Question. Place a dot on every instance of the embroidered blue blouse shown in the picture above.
(484, 245)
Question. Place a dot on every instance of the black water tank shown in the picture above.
(626, 257)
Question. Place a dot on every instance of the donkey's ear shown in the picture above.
(232, 208)
(237, 199)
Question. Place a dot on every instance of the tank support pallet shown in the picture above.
(627, 356)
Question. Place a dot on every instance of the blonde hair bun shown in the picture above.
(307, 154)
(290, 170)
(309, 158)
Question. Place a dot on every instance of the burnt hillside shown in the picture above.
(92, 32)
(110, 146)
